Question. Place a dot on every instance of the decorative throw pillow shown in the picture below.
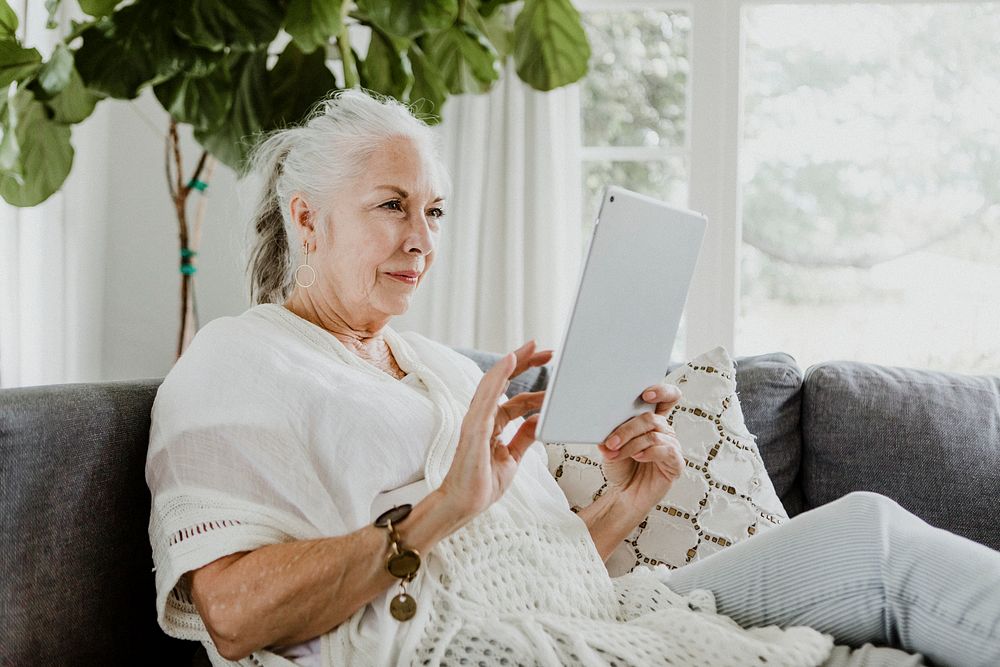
(724, 494)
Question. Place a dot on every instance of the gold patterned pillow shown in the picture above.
(724, 494)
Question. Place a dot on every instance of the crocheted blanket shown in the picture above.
(523, 584)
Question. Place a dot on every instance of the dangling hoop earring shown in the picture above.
(312, 271)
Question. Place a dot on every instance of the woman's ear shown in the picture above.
(301, 214)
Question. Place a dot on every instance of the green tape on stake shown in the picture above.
(187, 268)
(195, 184)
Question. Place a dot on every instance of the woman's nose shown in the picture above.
(421, 236)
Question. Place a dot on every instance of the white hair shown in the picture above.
(315, 160)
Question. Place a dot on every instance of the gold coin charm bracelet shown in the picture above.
(402, 562)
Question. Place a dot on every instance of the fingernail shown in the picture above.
(649, 395)
(612, 442)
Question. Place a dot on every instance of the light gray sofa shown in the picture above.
(76, 581)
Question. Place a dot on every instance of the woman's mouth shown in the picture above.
(404, 278)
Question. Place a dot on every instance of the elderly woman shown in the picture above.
(328, 491)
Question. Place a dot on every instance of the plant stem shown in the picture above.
(347, 59)
(178, 193)
(206, 166)
(197, 172)
(175, 142)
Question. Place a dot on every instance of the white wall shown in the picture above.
(141, 310)
(84, 224)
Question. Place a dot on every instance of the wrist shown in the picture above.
(430, 521)
(628, 505)
(610, 519)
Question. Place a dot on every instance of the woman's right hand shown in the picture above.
(484, 466)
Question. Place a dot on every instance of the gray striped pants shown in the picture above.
(868, 572)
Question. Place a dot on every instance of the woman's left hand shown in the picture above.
(642, 457)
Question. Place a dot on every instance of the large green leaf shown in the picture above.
(135, 47)
(98, 8)
(386, 68)
(215, 24)
(428, 85)
(298, 81)
(45, 157)
(10, 150)
(16, 62)
(405, 18)
(550, 45)
(8, 20)
(117, 66)
(250, 108)
(311, 23)
(74, 103)
(54, 75)
(489, 7)
(467, 61)
(497, 30)
(200, 101)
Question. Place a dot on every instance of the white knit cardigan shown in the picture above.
(268, 430)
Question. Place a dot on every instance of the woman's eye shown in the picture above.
(394, 205)
(437, 212)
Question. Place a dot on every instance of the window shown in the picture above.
(845, 153)
(635, 109)
(871, 189)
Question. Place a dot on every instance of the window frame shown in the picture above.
(710, 152)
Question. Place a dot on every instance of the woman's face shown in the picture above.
(383, 222)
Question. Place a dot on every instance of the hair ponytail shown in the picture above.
(270, 260)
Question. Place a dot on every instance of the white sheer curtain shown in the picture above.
(510, 248)
(51, 273)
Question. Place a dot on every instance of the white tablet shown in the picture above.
(628, 307)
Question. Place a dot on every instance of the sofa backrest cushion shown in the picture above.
(769, 388)
(76, 580)
(929, 440)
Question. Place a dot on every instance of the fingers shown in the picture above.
(518, 406)
(634, 428)
(491, 386)
(496, 380)
(528, 357)
(667, 458)
(653, 447)
(523, 439)
(665, 396)
(494, 383)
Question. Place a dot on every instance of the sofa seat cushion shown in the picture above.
(929, 440)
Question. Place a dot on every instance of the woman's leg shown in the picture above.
(862, 569)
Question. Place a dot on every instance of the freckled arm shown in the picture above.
(283, 594)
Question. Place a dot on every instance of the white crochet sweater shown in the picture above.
(269, 429)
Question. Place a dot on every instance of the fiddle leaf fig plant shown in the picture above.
(233, 70)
